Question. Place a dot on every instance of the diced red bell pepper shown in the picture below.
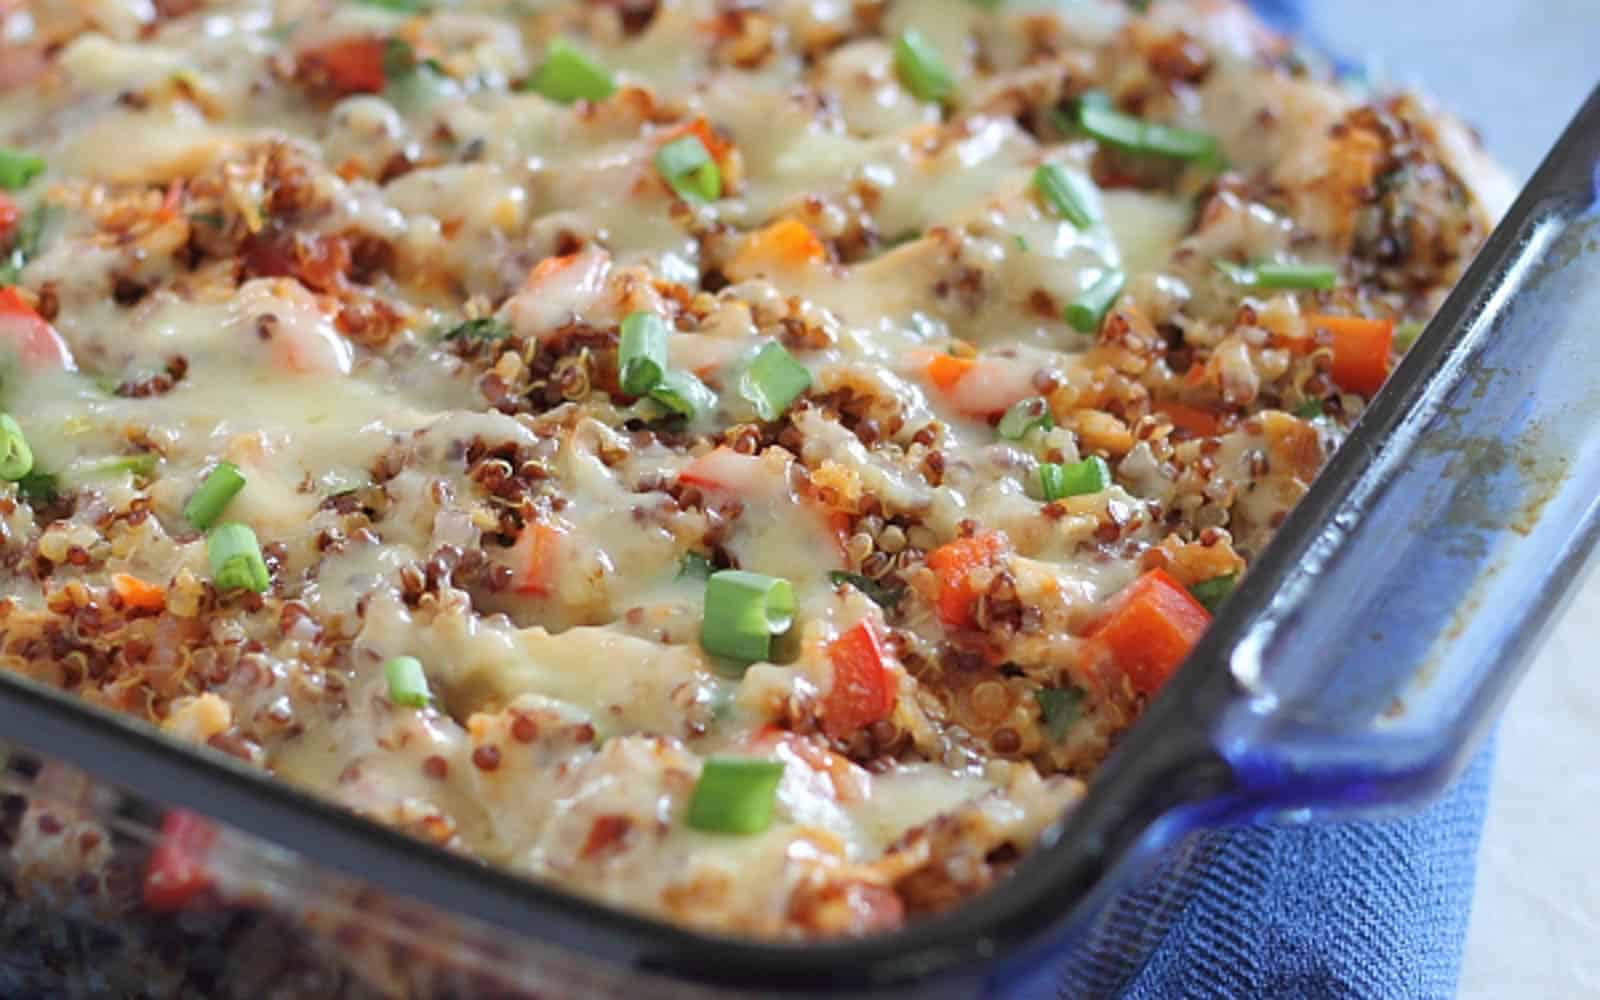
(10, 215)
(1150, 629)
(534, 558)
(350, 65)
(722, 468)
(26, 334)
(1190, 419)
(177, 871)
(863, 688)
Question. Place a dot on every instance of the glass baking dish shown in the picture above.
(1354, 670)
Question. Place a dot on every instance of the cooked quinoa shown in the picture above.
(987, 341)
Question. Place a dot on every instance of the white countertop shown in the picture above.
(1536, 918)
(1518, 70)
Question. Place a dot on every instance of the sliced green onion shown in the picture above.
(1059, 708)
(1406, 334)
(1092, 99)
(408, 685)
(695, 567)
(1024, 416)
(568, 74)
(16, 458)
(420, 87)
(484, 328)
(1281, 277)
(401, 6)
(220, 486)
(921, 68)
(774, 381)
(1065, 119)
(39, 488)
(684, 394)
(17, 168)
(1069, 193)
(235, 556)
(1311, 277)
(883, 595)
(1214, 591)
(735, 795)
(1089, 310)
(1134, 135)
(642, 354)
(689, 169)
(1309, 410)
(1092, 475)
(1236, 273)
(139, 465)
(743, 612)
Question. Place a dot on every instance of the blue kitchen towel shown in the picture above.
(1369, 910)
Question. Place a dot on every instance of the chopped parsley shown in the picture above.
(484, 328)
(1213, 592)
(39, 488)
(883, 595)
(1059, 708)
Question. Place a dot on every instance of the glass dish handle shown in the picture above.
(1370, 654)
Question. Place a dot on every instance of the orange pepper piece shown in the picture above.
(952, 563)
(1150, 629)
(136, 593)
(1191, 419)
(1361, 350)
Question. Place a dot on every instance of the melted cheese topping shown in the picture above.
(347, 249)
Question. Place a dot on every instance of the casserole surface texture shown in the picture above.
(986, 341)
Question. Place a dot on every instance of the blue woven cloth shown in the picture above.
(1370, 910)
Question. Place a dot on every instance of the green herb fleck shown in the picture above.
(1406, 334)
(883, 595)
(484, 328)
(399, 58)
(138, 465)
(1213, 592)
(39, 488)
(1059, 708)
